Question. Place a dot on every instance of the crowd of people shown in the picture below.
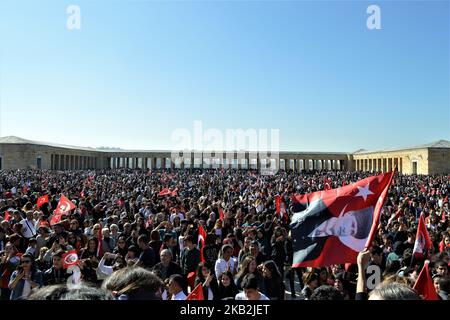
(150, 246)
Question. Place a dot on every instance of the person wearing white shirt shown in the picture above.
(251, 290)
(28, 225)
(176, 284)
(226, 262)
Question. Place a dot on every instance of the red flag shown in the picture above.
(164, 192)
(424, 284)
(191, 279)
(25, 188)
(422, 189)
(197, 293)
(70, 258)
(327, 186)
(64, 206)
(174, 192)
(201, 240)
(7, 216)
(332, 227)
(100, 243)
(443, 216)
(423, 242)
(221, 215)
(277, 204)
(42, 200)
(441, 246)
(280, 207)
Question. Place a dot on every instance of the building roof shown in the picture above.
(436, 144)
(18, 140)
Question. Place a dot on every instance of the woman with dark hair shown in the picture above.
(227, 287)
(87, 271)
(249, 265)
(134, 283)
(273, 282)
(206, 277)
(74, 241)
(155, 243)
(121, 247)
(25, 278)
(8, 263)
(278, 248)
(90, 251)
(324, 277)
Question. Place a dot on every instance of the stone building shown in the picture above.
(17, 153)
(424, 159)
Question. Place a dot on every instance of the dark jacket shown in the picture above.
(190, 260)
(274, 288)
(213, 285)
(173, 268)
(53, 276)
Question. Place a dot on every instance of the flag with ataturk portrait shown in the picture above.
(332, 226)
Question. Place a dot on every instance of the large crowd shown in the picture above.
(150, 245)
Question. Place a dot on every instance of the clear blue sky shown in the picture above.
(137, 70)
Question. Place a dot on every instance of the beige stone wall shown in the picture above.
(439, 161)
(385, 161)
(429, 161)
(24, 156)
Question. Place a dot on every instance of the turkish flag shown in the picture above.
(64, 206)
(197, 293)
(333, 226)
(327, 186)
(42, 200)
(201, 240)
(424, 284)
(174, 192)
(423, 242)
(70, 258)
(164, 192)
